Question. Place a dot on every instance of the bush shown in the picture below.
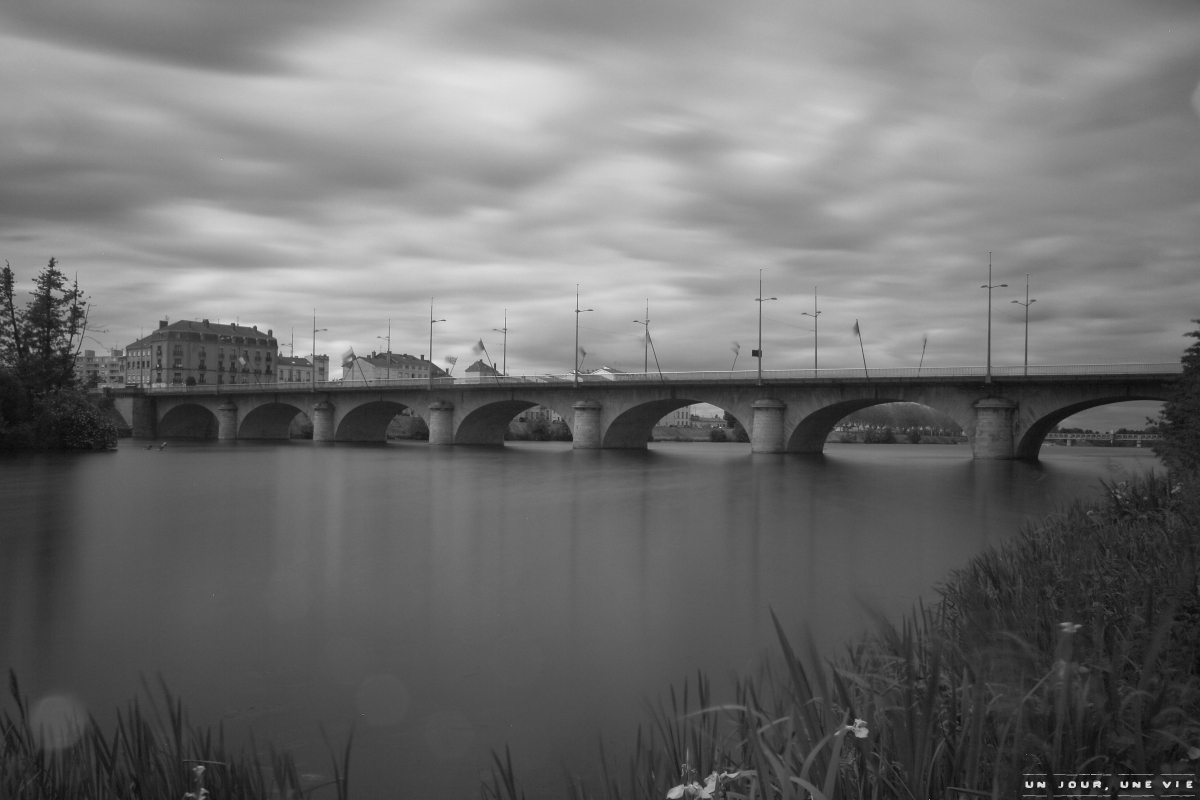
(560, 432)
(877, 436)
(69, 422)
(1179, 422)
(717, 435)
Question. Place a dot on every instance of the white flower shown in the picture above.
(859, 728)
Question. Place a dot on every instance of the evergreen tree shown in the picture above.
(1179, 422)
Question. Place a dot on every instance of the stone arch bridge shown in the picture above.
(1005, 417)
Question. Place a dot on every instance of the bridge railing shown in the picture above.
(710, 376)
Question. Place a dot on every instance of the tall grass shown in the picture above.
(1075, 648)
(148, 754)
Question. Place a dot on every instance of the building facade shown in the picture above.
(389, 366)
(295, 369)
(192, 353)
(102, 371)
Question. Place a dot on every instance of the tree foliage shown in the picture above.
(1179, 422)
(41, 403)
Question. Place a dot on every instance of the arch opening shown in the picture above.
(632, 428)
(487, 424)
(907, 421)
(368, 422)
(1032, 439)
(268, 421)
(188, 422)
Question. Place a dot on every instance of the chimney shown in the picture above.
(206, 323)
(162, 323)
(255, 327)
(270, 332)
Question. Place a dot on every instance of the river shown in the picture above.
(447, 601)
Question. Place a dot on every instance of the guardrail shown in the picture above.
(713, 376)
(1103, 437)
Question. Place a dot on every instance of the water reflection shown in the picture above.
(450, 600)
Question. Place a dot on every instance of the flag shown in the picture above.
(857, 332)
(242, 360)
(479, 348)
(737, 348)
(451, 360)
(583, 352)
(348, 357)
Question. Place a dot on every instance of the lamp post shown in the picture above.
(814, 315)
(1027, 304)
(646, 340)
(578, 311)
(431, 321)
(314, 352)
(389, 349)
(989, 286)
(504, 355)
(760, 299)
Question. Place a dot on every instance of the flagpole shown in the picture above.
(924, 342)
(858, 331)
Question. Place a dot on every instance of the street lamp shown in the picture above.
(646, 340)
(314, 352)
(1027, 304)
(504, 356)
(389, 349)
(814, 315)
(578, 311)
(431, 321)
(760, 300)
(989, 286)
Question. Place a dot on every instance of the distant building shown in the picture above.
(198, 353)
(698, 421)
(100, 371)
(480, 371)
(390, 366)
(295, 369)
(538, 412)
(679, 418)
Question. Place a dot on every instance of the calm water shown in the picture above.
(447, 601)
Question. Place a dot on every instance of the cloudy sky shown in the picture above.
(259, 159)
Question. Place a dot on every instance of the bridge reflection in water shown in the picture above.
(1006, 415)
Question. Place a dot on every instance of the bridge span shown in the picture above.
(790, 411)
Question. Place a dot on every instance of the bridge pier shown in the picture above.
(994, 428)
(322, 420)
(144, 423)
(766, 429)
(441, 422)
(227, 420)
(586, 433)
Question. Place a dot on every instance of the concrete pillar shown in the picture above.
(441, 422)
(994, 428)
(586, 432)
(766, 429)
(322, 420)
(144, 418)
(227, 420)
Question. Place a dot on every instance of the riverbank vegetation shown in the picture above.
(1075, 648)
(153, 751)
(41, 403)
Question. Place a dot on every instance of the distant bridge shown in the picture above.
(790, 411)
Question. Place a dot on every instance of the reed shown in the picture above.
(151, 752)
(1074, 648)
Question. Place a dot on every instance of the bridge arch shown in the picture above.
(268, 421)
(368, 422)
(188, 421)
(486, 425)
(631, 428)
(1029, 442)
(813, 429)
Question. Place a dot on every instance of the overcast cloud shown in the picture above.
(258, 160)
